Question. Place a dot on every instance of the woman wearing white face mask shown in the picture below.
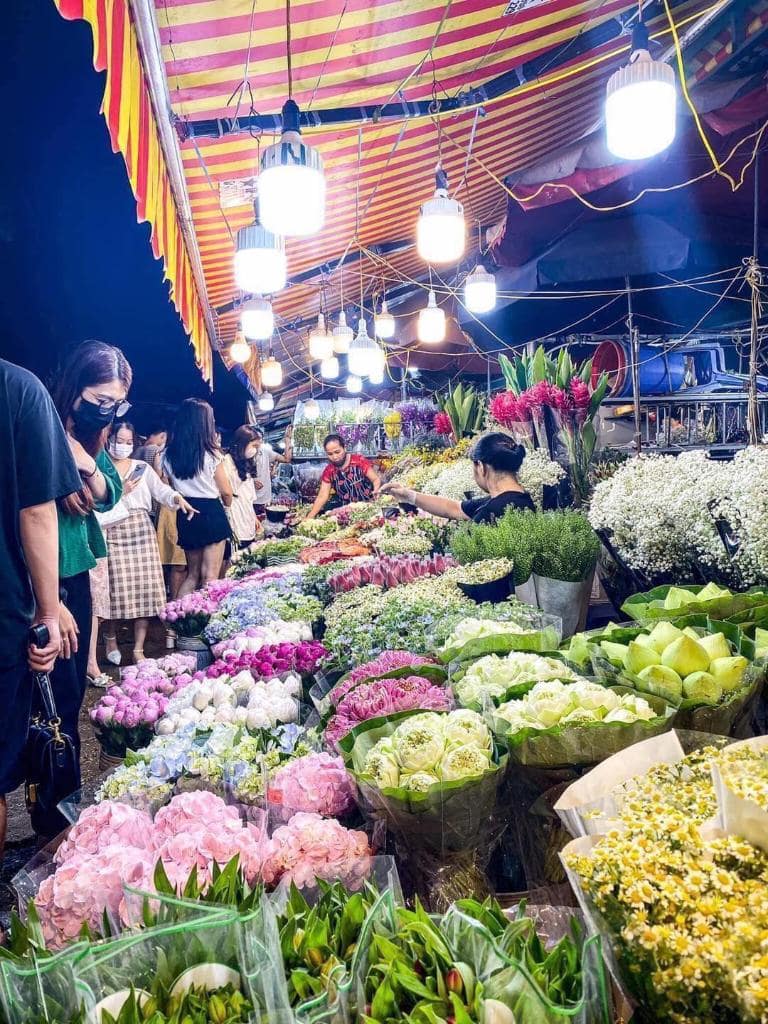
(241, 472)
(136, 588)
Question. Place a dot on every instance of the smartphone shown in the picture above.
(138, 471)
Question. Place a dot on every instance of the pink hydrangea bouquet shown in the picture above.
(388, 663)
(125, 716)
(310, 847)
(316, 783)
(384, 697)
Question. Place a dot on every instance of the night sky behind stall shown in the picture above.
(75, 264)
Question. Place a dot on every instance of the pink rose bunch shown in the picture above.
(443, 423)
(141, 697)
(387, 663)
(389, 571)
(270, 661)
(310, 847)
(384, 697)
(315, 783)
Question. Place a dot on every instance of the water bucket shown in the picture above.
(107, 761)
(660, 372)
(198, 647)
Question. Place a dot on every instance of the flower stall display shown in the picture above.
(280, 597)
(705, 669)
(560, 724)
(381, 697)
(265, 553)
(435, 778)
(388, 571)
(493, 679)
(682, 905)
(124, 717)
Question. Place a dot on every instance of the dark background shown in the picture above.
(74, 263)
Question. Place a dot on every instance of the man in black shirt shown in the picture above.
(36, 468)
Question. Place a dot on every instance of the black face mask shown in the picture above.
(90, 418)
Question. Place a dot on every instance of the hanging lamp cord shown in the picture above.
(288, 47)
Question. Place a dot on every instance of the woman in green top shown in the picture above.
(89, 395)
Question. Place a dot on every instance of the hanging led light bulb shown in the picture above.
(440, 229)
(376, 376)
(431, 325)
(480, 290)
(384, 323)
(266, 402)
(342, 335)
(311, 410)
(640, 104)
(291, 182)
(240, 350)
(354, 384)
(320, 341)
(271, 372)
(257, 319)
(259, 260)
(329, 368)
(364, 353)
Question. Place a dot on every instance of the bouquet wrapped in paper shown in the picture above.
(705, 668)
(435, 779)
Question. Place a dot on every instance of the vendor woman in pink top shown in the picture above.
(352, 477)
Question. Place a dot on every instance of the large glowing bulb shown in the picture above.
(240, 350)
(311, 410)
(440, 229)
(364, 354)
(354, 384)
(640, 107)
(260, 264)
(257, 319)
(266, 402)
(329, 368)
(384, 323)
(342, 335)
(431, 324)
(320, 341)
(291, 183)
(271, 373)
(480, 291)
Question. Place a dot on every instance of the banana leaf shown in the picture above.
(649, 606)
(449, 818)
(571, 745)
(535, 640)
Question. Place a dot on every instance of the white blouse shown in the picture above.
(201, 486)
(140, 499)
(241, 512)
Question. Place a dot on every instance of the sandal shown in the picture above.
(113, 657)
(101, 681)
(138, 655)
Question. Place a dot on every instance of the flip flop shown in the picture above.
(101, 681)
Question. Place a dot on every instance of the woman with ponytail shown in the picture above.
(496, 460)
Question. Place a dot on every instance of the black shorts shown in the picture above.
(209, 526)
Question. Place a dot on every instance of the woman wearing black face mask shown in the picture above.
(89, 394)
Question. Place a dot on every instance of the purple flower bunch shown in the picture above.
(189, 615)
(418, 414)
(386, 664)
(384, 697)
(270, 661)
(125, 716)
(353, 433)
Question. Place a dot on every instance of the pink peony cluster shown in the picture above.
(315, 783)
(384, 697)
(142, 695)
(310, 847)
(443, 423)
(389, 571)
(198, 604)
(387, 663)
(271, 660)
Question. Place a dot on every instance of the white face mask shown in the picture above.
(121, 451)
(251, 453)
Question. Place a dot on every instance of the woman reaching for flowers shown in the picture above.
(496, 461)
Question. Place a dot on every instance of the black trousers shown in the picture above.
(68, 679)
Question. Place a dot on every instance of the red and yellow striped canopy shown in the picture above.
(348, 53)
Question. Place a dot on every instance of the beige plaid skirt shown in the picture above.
(136, 588)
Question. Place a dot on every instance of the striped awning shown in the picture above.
(224, 58)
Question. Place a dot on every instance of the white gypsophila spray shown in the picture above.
(536, 471)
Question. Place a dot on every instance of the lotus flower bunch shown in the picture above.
(389, 571)
(678, 663)
(316, 783)
(253, 638)
(428, 749)
(384, 697)
(388, 663)
(269, 661)
(237, 699)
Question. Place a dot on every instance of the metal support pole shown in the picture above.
(634, 341)
(755, 280)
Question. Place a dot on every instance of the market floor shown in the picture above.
(20, 843)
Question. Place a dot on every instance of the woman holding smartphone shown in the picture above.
(136, 587)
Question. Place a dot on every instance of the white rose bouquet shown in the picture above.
(435, 779)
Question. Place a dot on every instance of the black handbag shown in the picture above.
(51, 760)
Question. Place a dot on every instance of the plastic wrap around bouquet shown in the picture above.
(705, 668)
(328, 692)
(435, 779)
(474, 637)
(677, 602)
